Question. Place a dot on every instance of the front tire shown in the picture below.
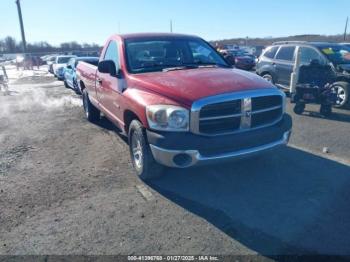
(141, 156)
(342, 89)
(91, 112)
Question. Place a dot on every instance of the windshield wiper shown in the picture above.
(184, 67)
(209, 64)
(195, 66)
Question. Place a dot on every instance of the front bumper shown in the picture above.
(186, 149)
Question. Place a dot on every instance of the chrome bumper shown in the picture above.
(166, 157)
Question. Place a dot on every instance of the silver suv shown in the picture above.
(276, 63)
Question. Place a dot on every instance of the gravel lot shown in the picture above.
(67, 187)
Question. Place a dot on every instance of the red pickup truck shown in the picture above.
(180, 103)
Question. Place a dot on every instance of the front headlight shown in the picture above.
(168, 118)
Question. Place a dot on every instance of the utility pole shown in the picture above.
(171, 26)
(346, 28)
(21, 25)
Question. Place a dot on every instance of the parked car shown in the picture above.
(240, 59)
(277, 61)
(50, 61)
(180, 103)
(59, 65)
(70, 77)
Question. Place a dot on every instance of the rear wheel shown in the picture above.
(66, 84)
(342, 89)
(141, 156)
(91, 112)
(299, 108)
(76, 87)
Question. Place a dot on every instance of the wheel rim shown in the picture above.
(268, 78)
(341, 95)
(136, 149)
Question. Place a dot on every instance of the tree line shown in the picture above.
(10, 45)
(269, 40)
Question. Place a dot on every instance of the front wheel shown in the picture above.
(342, 90)
(141, 156)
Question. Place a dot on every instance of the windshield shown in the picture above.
(338, 54)
(63, 60)
(158, 54)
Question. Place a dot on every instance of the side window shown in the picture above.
(308, 54)
(112, 53)
(286, 53)
(202, 54)
(271, 52)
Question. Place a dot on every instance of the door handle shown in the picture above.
(99, 80)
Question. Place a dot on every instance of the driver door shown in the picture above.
(109, 88)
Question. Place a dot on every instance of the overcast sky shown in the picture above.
(90, 21)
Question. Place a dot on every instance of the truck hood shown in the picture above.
(187, 86)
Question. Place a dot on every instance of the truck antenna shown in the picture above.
(346, 28)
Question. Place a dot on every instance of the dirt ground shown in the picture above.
(67, 187)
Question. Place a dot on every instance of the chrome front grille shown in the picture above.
(237, 112)
(216, 117)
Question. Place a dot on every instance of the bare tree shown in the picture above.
(2, 46)
(10, 44)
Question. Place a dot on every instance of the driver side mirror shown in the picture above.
(69, 66)
(108, 67)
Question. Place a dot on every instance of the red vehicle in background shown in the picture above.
(240, 59)
(180, 103)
